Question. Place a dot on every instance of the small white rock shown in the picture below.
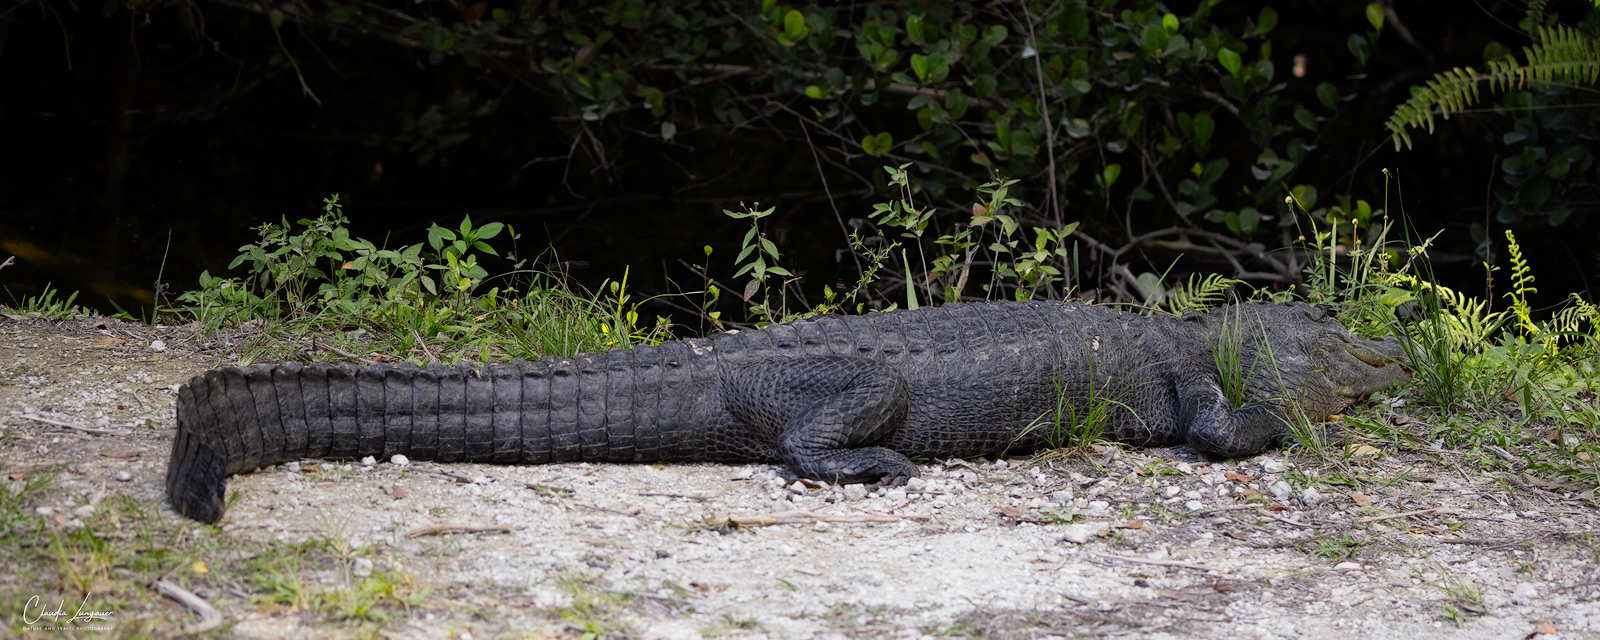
(798, 488)
(1271, 465)
(1000, 464)
(1077, 533)
(1347, 566)
(158, 346)
(1311, 497)
(83, 511)
(916, 484)
(123, 476)
(362, 568)
(368, 461)
(1062, 497)
(1099, 505)
(895, 495)
(1281, 490)
(1194, 505)
(293, 467)
(1524, 594)
(45, 511)
(399, 460)
(1170, 491)
(855, 491)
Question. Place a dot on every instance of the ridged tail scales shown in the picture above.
(609, 407)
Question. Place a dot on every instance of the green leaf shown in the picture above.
(815, 92)
(1268, 20)
(1170, 23)
(794, 26)
(502, 17)
(490, 230)
(919, 66)
(1230, 60)
(1078, 128)
(1375, 16)
(1204, 126)
(955, 103)
(1306, 119)
(877, 145)
(983, 85)
(1110, 175)
(1328, 95)
(1305, 195)
(1359, 47)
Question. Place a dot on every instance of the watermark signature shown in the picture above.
(36, 610)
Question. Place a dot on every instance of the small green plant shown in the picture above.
(47, 305)
(1228, 353)
(1076, 422)
(428, 301)
(594, 613)
(1333, 547)
(1025, 265)
(758, 256)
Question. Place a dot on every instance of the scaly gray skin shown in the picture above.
(837, 398)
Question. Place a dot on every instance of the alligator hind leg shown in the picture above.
(826, 413)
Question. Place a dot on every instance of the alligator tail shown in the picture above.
(590, 408)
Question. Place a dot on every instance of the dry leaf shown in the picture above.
(1136, 524)
(104, 342)
(1364, 450)
(1010, 512)
(398, 492)
(1545, 629)
(1583, 455)
(1238, 476)
(1104, 533)
(1249, 492)
(199, 566)
(1361, 499)
(1276, 507)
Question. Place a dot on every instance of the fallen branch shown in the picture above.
(79, 427)
(1406, 514)
(806, 517)
(1159, 563)
(436, 529)
(210, 618)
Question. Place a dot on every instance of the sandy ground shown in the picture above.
(1114, 543)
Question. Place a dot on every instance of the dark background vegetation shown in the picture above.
(126, 126)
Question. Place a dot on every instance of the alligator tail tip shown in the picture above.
(195, 481)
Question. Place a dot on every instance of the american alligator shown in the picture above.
(837, 398)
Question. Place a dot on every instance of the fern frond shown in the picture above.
(1199, 293)
(1561, 54)
(1467, 319)
(1521, 287)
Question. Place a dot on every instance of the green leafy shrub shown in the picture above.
(425, 301)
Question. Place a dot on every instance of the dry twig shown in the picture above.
(806, 517)
(210, 618)
(436, 529)
(79, 427)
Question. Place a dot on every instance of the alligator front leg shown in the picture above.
(1211, 425)
(826, 414)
